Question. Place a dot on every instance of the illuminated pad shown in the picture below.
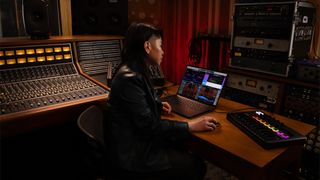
(269, 126)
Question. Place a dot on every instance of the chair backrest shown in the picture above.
(90, 122)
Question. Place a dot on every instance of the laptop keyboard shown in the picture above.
(186, 106)
(186, 102)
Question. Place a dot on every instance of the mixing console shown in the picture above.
(99, 59)
(265, 130)
(34, 77)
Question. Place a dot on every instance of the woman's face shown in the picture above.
(154, 50)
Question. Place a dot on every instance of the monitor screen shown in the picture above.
(202, 85)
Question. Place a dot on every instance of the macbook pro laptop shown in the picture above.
(199, 92)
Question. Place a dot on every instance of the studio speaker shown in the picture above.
(36, 18)
(99, 16)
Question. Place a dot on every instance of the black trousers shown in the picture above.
(185, 166)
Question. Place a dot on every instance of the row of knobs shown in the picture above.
(34, 89)
(17, 75)
(47, 100)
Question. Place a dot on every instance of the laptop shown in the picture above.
(199, 92)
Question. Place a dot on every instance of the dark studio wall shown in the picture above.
(182, 20)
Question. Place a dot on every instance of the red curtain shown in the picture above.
(184, 19)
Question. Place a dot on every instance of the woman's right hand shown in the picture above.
(204, 123)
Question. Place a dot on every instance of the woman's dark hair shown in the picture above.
(133, 52)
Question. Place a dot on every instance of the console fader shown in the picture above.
(34, 77)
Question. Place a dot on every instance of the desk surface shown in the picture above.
(230, 139)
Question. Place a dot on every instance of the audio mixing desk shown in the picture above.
(42, 81)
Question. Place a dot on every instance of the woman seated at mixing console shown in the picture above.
(138, 139)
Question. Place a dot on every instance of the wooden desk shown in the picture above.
(231, 149)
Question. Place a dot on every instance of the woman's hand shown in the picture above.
(166, 107)
(205, 123)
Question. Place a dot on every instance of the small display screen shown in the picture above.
(11, 61)
(49, 50)
(30, 51)
(9, 53)
(40, 51)
(66, 48)
(57, 49)
(41, 59)
(20, 52)
(31, 59)
(251, 83)
(259, 41)
(22, 60)
(50, 58)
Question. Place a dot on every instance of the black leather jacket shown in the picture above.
(137, 135)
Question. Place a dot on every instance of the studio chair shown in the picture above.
(90, 123)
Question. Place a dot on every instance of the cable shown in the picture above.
(236, 110)
(315, 43)
(271, 114)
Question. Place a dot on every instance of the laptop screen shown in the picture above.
(202, 85)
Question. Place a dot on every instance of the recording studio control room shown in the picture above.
(160, 89)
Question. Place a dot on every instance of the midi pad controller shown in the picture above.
(264, 129)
